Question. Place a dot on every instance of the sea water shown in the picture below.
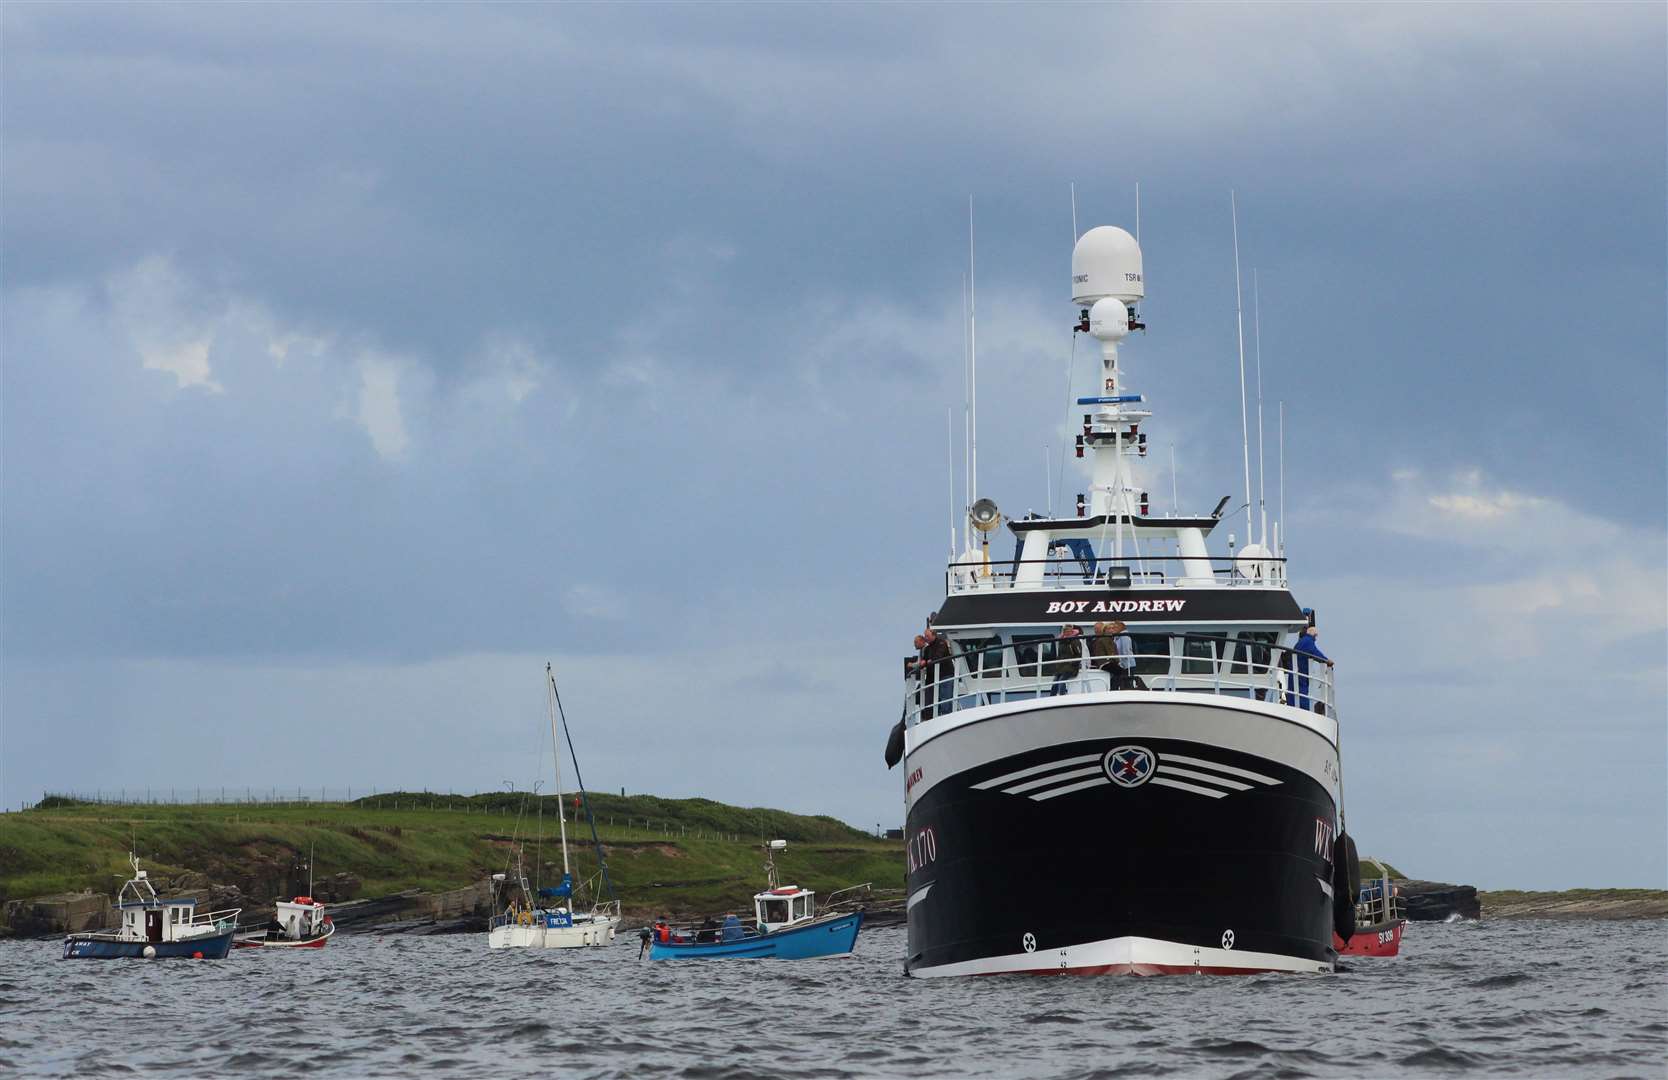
(1510, 998)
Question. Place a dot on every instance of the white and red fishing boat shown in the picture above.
(296, 924)
(1380, 916)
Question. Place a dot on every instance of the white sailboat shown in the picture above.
(545, 918)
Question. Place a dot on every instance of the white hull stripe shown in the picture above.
(1180, 786)
(1213, 766)
(918, 895)
(1176, 770)
(1034, 770)
(1132, 953)
(1099, 781)
(1050, 781)
(1053, 778)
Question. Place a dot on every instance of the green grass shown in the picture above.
(683, 855)
(1372, 869)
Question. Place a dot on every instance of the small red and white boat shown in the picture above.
(296, 924)
(1380, 915)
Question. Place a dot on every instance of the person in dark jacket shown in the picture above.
(937, 674)
(1308, 648)
(1068, 658)
(1103, 655)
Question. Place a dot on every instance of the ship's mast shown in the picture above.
(1107, 280)
(556, 755)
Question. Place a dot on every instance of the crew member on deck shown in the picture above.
(1306, 648)
(1103, 654)
(937, 673)
(1125, 650)
(1068, 658)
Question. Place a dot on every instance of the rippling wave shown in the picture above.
(1509, 998)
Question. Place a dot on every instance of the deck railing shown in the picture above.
(224, 919)
(1193, 663)
(1156, 570)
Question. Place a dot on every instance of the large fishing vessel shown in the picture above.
(1167, 803)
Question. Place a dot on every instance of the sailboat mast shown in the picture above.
(556, 755)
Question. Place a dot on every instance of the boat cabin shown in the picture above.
(782, 907)
(300, 918)
(148, 917)
(158, 920)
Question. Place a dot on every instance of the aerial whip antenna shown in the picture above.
(966, 408)
(950, 470)
(1175, 500)
(1262, 472)
(1282, 476)
(1071, 361)
(1048, 478)
(972, 355)
(1239, 321)
(1137, 211)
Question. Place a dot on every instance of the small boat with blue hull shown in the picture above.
(156, 929)
(786, 927)
(829, 935)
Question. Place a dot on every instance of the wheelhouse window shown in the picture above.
(1199, 656)
(1031, 651)
(775, 911)
(1252, 653)
(1152, 653)
(983, 655)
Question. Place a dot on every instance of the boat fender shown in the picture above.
(198, 955)
(1346, 886)
(895, 744)
(149, 952)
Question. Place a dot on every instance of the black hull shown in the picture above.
(1202, 855)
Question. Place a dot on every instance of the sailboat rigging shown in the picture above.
(545, 918)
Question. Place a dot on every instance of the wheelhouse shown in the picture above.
(783, 907)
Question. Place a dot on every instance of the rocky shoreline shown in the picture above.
(468, 909)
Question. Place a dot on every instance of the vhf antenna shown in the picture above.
(972, 356)
(1239, 322)
(1262, 471)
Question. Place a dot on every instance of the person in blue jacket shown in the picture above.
(1306, 648)
(732, 927)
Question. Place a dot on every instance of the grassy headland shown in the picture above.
(685, 855)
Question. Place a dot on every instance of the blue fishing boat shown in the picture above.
(786, 926)
(156, 929)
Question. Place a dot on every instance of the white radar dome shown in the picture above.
(1106, 262)
(1109, 319)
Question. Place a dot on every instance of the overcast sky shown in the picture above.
(359, 359)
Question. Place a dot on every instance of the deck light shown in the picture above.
(1080, 446)
(1117, 577)
(1143, 504)
(1080, 508)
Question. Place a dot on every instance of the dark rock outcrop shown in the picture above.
(65, 913)
(1437, 901)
